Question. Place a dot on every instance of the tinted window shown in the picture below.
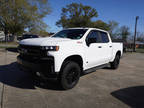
(71, 33)
(94, 35)
(104, 37)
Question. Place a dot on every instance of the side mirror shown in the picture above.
(90, 40)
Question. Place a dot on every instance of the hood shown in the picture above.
(43, 41)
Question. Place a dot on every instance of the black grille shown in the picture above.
(44, 65)
(30, 50)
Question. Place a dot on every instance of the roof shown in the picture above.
(87, 28)
(137, 42)
(140, 43)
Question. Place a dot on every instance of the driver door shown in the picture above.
(94, 49)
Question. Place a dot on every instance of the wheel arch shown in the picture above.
(75, 58)
(118, 53)
(114, 55)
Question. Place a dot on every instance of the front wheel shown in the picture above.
(115, 63)
(70, 75)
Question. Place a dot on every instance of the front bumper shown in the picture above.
(44, 66)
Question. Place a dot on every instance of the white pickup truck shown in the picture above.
(69, 53)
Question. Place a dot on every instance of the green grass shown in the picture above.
(8, 47)
(140, 50)
(9, 43)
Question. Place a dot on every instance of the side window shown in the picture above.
(104, 37)
(93, 37)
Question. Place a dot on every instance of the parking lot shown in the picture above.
(105, 88)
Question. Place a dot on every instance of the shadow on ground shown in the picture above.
(11, 75)
(132, 96)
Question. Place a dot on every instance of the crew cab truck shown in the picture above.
(69, 53)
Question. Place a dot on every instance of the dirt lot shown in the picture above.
(105, 88)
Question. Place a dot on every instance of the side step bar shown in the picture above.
(95, 68)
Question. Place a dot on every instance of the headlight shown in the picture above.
(50, 48)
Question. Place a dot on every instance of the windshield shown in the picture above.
(71, 33)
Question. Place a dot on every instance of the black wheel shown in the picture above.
(115, 63)
(70, 75)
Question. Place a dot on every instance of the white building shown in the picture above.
(2, 36)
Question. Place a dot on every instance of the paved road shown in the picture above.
(105, 88)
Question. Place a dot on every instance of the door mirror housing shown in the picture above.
(90, 41)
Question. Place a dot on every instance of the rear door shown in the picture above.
(106, 46)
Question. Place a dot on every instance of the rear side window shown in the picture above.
(94, 35)
(104, 37)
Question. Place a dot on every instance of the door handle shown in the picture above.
(99, 46)
(110, 46)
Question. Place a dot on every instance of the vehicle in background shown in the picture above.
(27, 36)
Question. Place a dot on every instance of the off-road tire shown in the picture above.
(115, 63)
(70, 75)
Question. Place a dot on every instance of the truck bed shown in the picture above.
(117, 46)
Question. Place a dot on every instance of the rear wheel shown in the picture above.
(70, 75)
(115, 63)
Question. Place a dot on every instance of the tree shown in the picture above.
(113, 29)
(140, 37)
(45, 33)
(124, 32)
(101, 25)
(76, 15)
(17, 15)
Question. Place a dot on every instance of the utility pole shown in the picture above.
(137, 17)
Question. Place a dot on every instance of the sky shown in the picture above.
(121, 11)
